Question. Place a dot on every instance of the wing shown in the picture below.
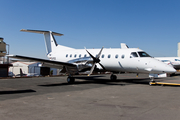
(70, 67)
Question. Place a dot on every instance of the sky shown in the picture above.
(151, 25)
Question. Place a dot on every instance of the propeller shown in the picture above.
(95, 60)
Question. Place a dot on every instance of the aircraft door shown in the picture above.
(133, 62)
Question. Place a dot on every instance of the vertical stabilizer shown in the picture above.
(50, 41)
(124, 46)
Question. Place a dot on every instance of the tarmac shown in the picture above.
(89, 98)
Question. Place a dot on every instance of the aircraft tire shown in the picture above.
(70, 80)
(113, 77)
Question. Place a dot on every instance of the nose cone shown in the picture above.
(163, 68)
(170, 69)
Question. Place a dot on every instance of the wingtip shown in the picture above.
(22, 29)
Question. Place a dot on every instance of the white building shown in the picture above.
(29, 68)
(178, 51)
(26, 67)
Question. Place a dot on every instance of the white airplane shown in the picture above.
(175, 61)
(114, 60)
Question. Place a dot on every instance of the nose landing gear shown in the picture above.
(152, 80)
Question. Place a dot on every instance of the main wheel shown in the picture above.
(70, 80)
(113, 77)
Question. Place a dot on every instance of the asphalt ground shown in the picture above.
(89, 98)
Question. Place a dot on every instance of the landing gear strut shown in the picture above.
(70, 79)
(152, 80)
(113, 77)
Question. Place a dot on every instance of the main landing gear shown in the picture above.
(70, 79)
(113, 77)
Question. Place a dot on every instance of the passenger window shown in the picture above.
(102, 56)
(75, 55)
(71, 55)
(85, 55)
(66, 55)
(122, 56)
(116, 56)
(80, 55)
(109, 56)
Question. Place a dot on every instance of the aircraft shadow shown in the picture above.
(97, 80)
(16, 91)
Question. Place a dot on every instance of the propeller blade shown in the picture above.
(90, 54)
(102, 66)
(92, 69)
(99, 53)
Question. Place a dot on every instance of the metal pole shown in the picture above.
(8, 53)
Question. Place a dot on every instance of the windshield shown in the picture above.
(133, 54)
(177, 60)
(165, 60)
(143, 54)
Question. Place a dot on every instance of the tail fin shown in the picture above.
(50, 41)
(21, 73)
(124, 46)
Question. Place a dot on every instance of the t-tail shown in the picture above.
(50, 41)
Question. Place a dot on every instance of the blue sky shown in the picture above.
(151, 25)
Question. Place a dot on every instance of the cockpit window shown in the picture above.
(133, 54)
(177, 60)
(143, 54)
(165, 60)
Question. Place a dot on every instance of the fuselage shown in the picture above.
(116, 59)
(175, 61)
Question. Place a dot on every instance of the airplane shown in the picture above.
(175, 61)
(115, 60)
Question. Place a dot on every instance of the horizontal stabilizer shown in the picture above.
(41, 32)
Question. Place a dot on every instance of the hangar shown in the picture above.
(30, 69)
(26, 67)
